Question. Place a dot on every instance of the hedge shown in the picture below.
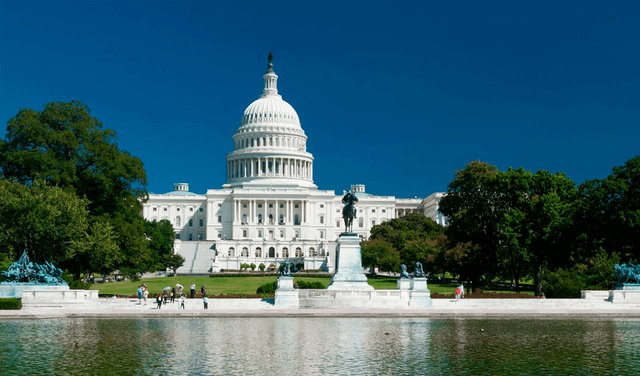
(10, 303)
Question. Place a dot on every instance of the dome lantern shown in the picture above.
(270, 80)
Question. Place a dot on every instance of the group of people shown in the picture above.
(143, 293)
(460, 291)
(173, 294)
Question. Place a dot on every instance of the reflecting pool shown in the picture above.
(311, 346)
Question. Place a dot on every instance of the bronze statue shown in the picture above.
(270, 57)
(418, 272)
(349, 211)
(403, 271)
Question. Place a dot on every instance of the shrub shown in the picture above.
(10, 303)
(562, 284)
(261, 267)
(253, 266)
(268, 288)
(310, 285)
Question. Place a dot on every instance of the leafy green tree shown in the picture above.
(161, 238)
(380, 253)
(610, 215)
(175, 261)
(68, 148)
(399, 231)
(470, 205)
(51, 224)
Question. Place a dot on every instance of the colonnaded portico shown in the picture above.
(269, 208)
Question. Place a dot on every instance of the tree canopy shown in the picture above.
(73, 154)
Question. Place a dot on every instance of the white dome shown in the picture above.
(270, 109)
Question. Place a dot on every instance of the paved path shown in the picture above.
(442, 308)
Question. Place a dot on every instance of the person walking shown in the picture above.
(193, 290)
(203, 290)
(461, 290)
(159, 301)
(140, 295)
(205, 300)
(182, 299)
(173, 295)
(458, 293)
(145, 294)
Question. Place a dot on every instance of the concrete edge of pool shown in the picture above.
(631, 313)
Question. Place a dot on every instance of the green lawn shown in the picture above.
(243, 285)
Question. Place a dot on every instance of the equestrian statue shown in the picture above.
(349, 211)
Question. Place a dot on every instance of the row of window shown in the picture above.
(179, 222)
(272, 252)
(177, 209)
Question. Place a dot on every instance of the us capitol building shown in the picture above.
(269, 209)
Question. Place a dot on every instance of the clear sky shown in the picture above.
(397, 95)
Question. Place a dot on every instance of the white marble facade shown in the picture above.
(269, 209)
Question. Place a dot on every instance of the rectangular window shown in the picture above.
(191, 223)
(165, 209)
(337, 223)
(244, 205)
(296, 205)
(219, 235)
(282, 233)
(282, 205)
(384, 211)
(155, 209)
(259, 233)
(270, 205)
(201, 222)
(259, 205)
(244, 233)
(321, 234)
(373, 210)
(219, 205)
(219, 219)
(321, 206)
(200, 209)
(297, 234)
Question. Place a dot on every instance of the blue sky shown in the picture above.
(397, 95)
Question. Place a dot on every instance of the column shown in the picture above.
(304, 211)
(277, 217)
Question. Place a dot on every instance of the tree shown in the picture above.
(399, 231)
(68, 148)
(161, 238)
(174, 262)
(611, 212)
(380, 253)
(470, 205)
(51, 224)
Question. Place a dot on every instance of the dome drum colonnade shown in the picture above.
(270, 142)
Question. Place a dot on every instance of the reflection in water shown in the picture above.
(310, 346)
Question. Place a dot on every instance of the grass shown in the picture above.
(246, 285)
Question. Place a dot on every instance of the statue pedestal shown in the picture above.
(14, 290)
(286, 295)
(628, 293)
(420, 296)
(404, 283)
(349, 275)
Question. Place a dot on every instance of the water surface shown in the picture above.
(311, 346)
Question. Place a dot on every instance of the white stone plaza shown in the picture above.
(270, 210)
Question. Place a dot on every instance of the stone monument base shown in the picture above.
(404, 283)
(14, 290)
(420, 296)
(349, 275)
(628, 293)
(59, 299)
(286, 295)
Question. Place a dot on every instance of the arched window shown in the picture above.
(258, 252)
(285, 252)
(272, 252)
(232, 252)
(296, 219)
(322, 219)
(245, 252)
(270, 218)
(312, 252)
(373, 222)
(298, 252)
(281, 218)
(178, 221)
(244, 218)
(361, 222)
(259, 218)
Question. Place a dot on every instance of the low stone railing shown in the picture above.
(58, 299)
(370, 294)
